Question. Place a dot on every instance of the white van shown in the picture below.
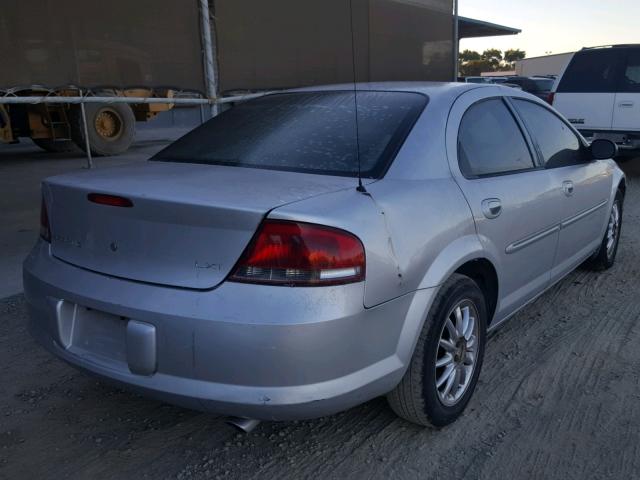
(599, 92)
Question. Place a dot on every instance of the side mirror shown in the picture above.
(603, 149)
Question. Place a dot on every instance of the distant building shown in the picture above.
(546, 65)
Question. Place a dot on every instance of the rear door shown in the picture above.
(513, 200)
(586, 185)
(626, 116)
(587, 90)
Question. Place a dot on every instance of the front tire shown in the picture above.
(605, 257)
(446, 364)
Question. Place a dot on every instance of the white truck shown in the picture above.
(599, 92)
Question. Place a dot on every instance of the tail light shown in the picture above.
(110, 200)
(551, 97)
(45, 229)
(292, 253)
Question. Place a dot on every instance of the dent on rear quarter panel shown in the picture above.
(431, 226)
(356, 213)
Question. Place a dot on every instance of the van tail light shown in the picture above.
(551, 97)
(302, 254)
(45, 229)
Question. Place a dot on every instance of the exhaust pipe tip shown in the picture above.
(245, 425)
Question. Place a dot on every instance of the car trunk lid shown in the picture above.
(187, 226)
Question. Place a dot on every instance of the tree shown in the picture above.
(474, 68)
(513, 55)
(491, 60)
(493, 56)
(469, 55)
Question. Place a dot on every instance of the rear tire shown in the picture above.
(605, 257)
(111, 128)
(55, 146)
(419, 398)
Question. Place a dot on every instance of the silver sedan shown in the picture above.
(307, 251)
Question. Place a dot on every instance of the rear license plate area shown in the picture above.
(92, 334)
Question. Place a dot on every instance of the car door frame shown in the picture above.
(506, 306)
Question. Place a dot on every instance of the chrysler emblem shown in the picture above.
(113, 247)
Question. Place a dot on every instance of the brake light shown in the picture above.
(292, 253)
(45, 229)
(551, 97)
(111, 200)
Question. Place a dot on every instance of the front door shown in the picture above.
(586, 185)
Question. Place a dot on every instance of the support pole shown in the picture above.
(456, 40)
(13, 100)
(210, 79)
(86, 134)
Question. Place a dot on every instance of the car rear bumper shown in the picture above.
(271, 353)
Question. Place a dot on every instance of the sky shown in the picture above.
(555, 26)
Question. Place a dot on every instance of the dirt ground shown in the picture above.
(559, 397)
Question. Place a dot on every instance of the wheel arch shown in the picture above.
(622, 187)
(483, 272)
(474, 262)
(469, 256)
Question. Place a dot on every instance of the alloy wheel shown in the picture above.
(613, 230)
(457, 353)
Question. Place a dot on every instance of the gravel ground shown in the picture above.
(559, 397)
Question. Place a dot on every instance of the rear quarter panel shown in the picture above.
(414, 232)
(356, 213)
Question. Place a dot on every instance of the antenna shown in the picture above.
(360, 188)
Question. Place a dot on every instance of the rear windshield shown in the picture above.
(311, 132)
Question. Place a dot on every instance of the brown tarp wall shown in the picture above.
(262, 44)
(283, 43)
(91, 43)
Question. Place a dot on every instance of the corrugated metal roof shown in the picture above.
(471, 28)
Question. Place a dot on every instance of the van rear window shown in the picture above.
(309, 132)
(593, 71)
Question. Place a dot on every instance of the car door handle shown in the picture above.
(492, 208)
(567, 188)
(626, 104)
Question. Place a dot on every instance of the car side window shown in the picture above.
(558, 144)
(631, 76)
(490, 141)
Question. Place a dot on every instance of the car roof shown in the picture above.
(441, 94)
(431, 89)
(622, 45)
